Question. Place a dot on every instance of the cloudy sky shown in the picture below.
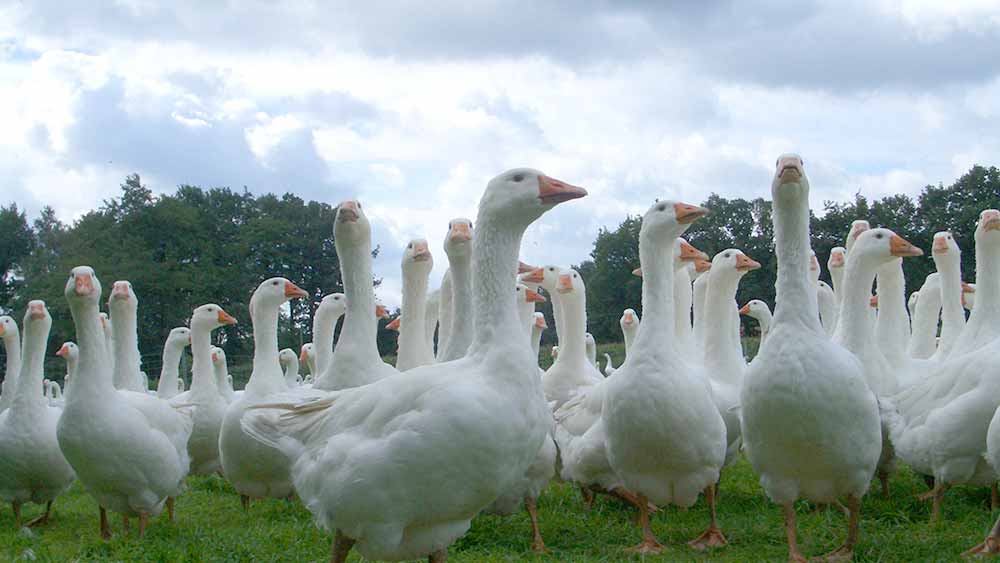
(412, 110)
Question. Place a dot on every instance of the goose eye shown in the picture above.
(518, 177)
(409, 245)
(879, 235)
(275, 282)
(661, 207)
(727, 255)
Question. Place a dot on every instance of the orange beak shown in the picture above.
(420, 252)
(540, 323)
(536, 275)
(84, 284)
(836, 260)
(36, 310)
(966, 288)
(901, 247)
(119, 290)
(215, 357)
(552, 191)
(858, 229)
(940, 245)
(873, 301)
(628, 318)
(702, 266)
(394, 324)
(304, 355)
(523, 268)
(380, 312)
(687, 213)
(534, 297)
(789, 168)
(991, 220)
(690, 253)
(745, 310)
(63, 350)
(460, 232)
(637, 272)
(293, 291)
(225, 318)
(746, 264)
(348, 211)
(565, 284)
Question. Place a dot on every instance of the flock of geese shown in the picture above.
(395, 461)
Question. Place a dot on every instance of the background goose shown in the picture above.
(289, 362)
(178, 339)
(11, 337)
(458, 247)
(757, 309)
(417, 264)
(123, 305)
(331, 308)
(629, 323)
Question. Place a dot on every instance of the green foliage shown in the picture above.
(16, 241)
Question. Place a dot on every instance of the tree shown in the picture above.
(16, 242)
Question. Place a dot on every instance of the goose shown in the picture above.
(431, 318)
(406, 486)
(699, 289)
(289, 363)
(825, 300)
(554, 352)
(109, 339)
(307, 357)
(331, 308)
(445, 314)
(417, 264)
(178, 339)
(757, 309)
(835, 265)
(11, 337)
(572, 370)
(968, 295)
(857, 227)
(53, 393)
(923, 334)
(205, 394)
(537, 328)
(222, 378)
(69, 352)
(546, 277)
(681, 446)
(128, 449)
(629, 323)
(948, 261)
(911, 307)
(892, 329)
(944, 418)
(458, 247)
(356, 360)
(685, 257)
(982, 328)
(123, 305)
(590, 345)
(800, 374)
(32, 468)
(723, 359)
(254, 469)
(991, 545)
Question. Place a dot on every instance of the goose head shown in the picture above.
(9, 331)
(210, 317)
(588, 340)
(68, 351)
(790, 182)
(218, 357)
(755, 308)
(287, 357)
(838, 257)
(968, 295)
(351, 224)
(554, 352)
(546, 276)
(945, 251)
(911, 303)
(669, 219)
(569, 285)
(813, 266)
(685, 254)
(873, 301)
(83, 287)
(733, 261)
(629, 319)
(306, 352)
(179, 337)
(702, 265)
(876, 247)
(988, 228)
(527, 295)
(394, 324)
(333, 303)
(540, 323)
(417, 257)
(521, 195)
(524, 268)
(36, 318)
(276, 291)
(857, 227)
(458, 240)
(122, 298)
(380, 311)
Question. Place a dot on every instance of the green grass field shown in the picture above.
(211, 526)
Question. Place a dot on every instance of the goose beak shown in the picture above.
(565, 284)
(63, 350)
(83, 284)
(304, 355)
(553, 192)
(690, 253)
(215, 357)
(460, 232)
(394, 324)
(380, 312)
(628, 318)
(940, 246)
(119, 290)
(745, 310)
(224, 318)
(637, 272)
(702, 266)
(856, 230)
(902, 248)
(746, 264)
(966, 288)
(36, 310)
(534, 297)
(348, 211)
(536, 275)
(790, 168)
(293, 291)
(991, 220)
(836, 260)
(540, 323)
(873, 302)
(421, 253)
(686, 213)
(523, 268)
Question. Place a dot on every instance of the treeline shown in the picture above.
(746, 224)
(181, 250)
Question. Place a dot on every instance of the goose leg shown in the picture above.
(143, 520)
(341, 547)
(633, 499)
(439, 556)
(17, 514)
(44, 518)
(170, 509)
(105, 529)
(994, 498)
(537, 544)
(939, 490)
(649, 542)
(846, 551)
(883, 477)
(794, 555)
(125, 523)
(712, 537)
(990, 546)
(245, 501)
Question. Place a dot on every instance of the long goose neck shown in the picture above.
(93, 378)
(462, 328)
(411, 333)
(494, 268)
(987, 282)
(892, 289)
(682, 302)
(952, 311)
(629, 334)
(12, 344)
(357, 335)
(125, 333)
(720, 302)
(202, 370)
(573, 342)
(557, 313)
(657, 327)
(170, 370)
(854, 327)
(795, 295)
(29, 382)
(837, 278)
(536, 340)
(267, 374)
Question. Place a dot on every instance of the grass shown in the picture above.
(211, 526)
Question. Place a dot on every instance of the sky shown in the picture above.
(412, 107)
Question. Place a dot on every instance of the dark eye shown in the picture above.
(409, 245)
(661, 207)
(518, 177)
(275, 282)
(574, 276)
(726, 255)
(552, 269)
(359, 205)
(878, 235)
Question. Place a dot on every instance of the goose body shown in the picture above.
(289, 362)
(757, 309)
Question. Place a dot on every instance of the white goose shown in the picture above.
(924, 325)
(892, 329)
(458, 247)
(801, 375)
(178, 339)
(257, 470)
(128, 449)
(590, 345)
(835, 265)
(307, 357)
(991, 545)
(32, 468)
(571, 370)
(222, 377)
(417, 264)
(699, 289)
(758, 310)
(629, 323)
(71, 353)
(948, 261)
(210, 405)
(289, 363)
(537, 328)
(11, 337)
(331, 308)
(665, 438)
(123, 305)
(431, 318)
(396, 480)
